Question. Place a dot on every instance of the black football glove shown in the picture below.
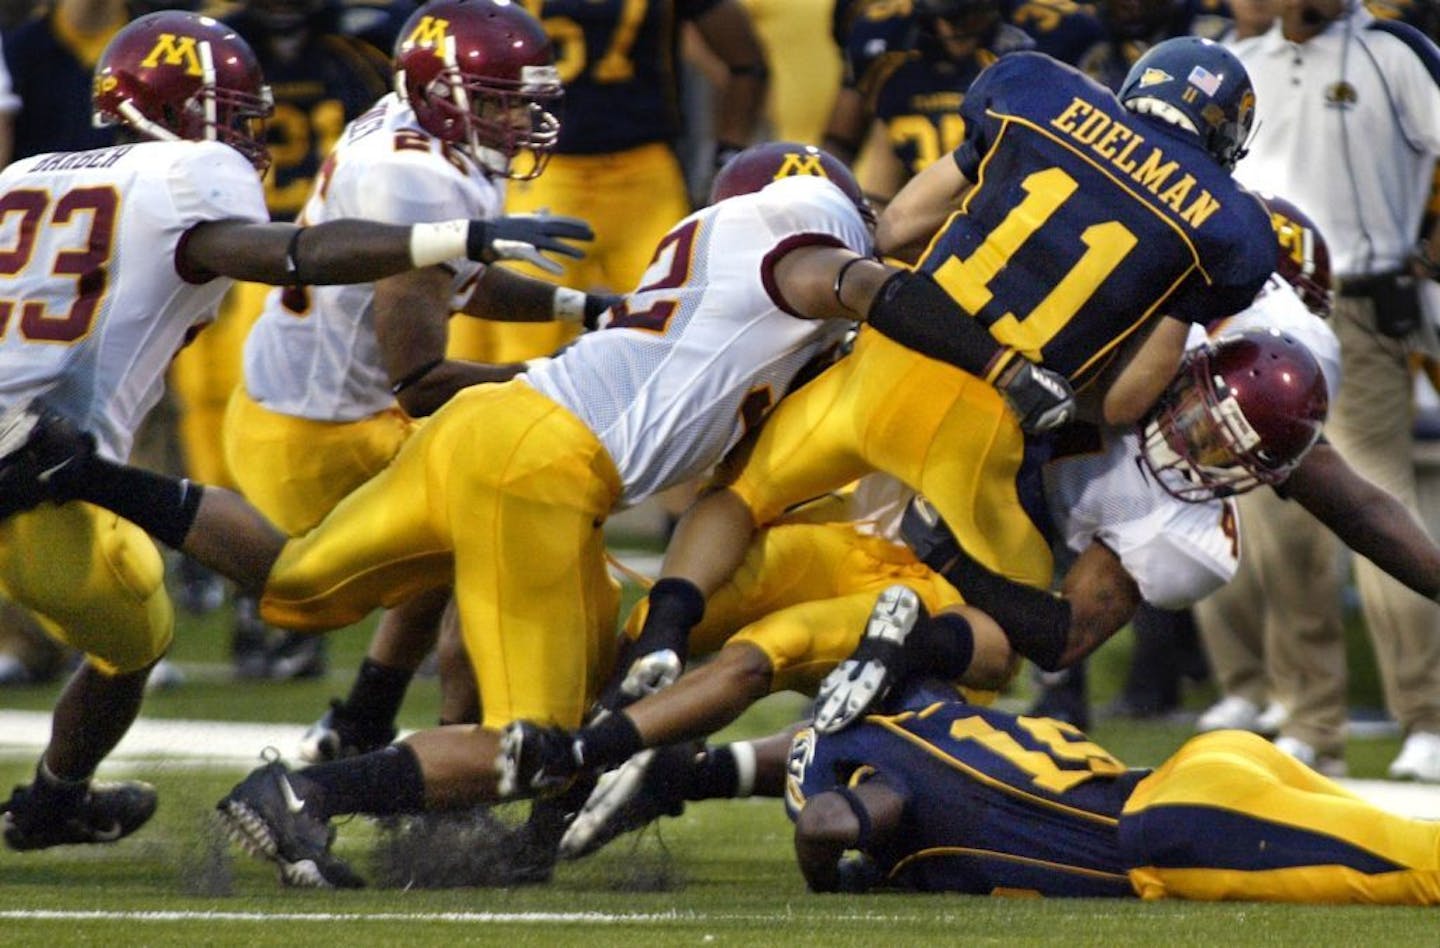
(1041, 398)
(595, 306)
(526, 237)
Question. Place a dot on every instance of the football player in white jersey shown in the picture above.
(113, 258)
(335, 376)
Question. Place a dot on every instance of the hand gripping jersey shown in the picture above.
(706, 345)
(313, 352)
(93, 301)
(1086, 220)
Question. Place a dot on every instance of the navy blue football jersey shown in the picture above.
(1061, 28)
(1086, 220)
(993, 803)
(53, 83)
(919, 101)
(617, 59)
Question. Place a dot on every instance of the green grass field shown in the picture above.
(721, 874)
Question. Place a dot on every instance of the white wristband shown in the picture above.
(438, 242)
(744, 754)
(569, 305)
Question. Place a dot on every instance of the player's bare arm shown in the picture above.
(412, 315)
(1146, 375)
(727, 30)
(837, 820)
(354, 251)
(914, 215)
(1370, 520)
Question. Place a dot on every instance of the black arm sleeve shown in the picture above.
(1036, 623)
(913, 310)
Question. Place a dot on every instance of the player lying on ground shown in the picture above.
(942, 796)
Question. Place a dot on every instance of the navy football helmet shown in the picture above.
(1242, 411)
(1199, 86)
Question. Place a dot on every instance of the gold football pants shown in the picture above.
(503, 493)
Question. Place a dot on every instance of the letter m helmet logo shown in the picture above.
(172, 50)
(797, 163)
(429, 33)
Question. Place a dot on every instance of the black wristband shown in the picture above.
(292, 259)
(415, 376)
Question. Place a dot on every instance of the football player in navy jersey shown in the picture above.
(945, 796)
(915, 96)
(924, 54)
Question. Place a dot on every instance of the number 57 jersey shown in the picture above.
(95, 299)
(1086, 220)
(707, 344)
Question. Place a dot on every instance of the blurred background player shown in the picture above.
(327, 62)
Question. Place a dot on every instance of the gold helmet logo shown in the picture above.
(431, 32)
(798, 164)
(172, 50)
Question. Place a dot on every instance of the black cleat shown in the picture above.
(107, 812)
(297, 656)
(646, 787)
(40, 452)
(535, 760)
(338, 735)
(271, 815)
(866, 677)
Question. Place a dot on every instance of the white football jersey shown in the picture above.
(1177, 552)
(313, 353)
(92, 305)
(704, 346)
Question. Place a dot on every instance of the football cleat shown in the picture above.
(646, 787)
(271, 815)
(878, 662)
(535, 760)
(296, 656)
(338, 735)
(107, 812)
(39, 449)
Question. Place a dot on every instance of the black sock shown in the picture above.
(715, 776)
(381, 783)
(57, 794)
(610, 741)
(377, 693)
(162, 506)
(942, 646)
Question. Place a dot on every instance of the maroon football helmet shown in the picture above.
(481, 74)
(1241, 412)
(1304, 259)
(175, 75)
(759, 165)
